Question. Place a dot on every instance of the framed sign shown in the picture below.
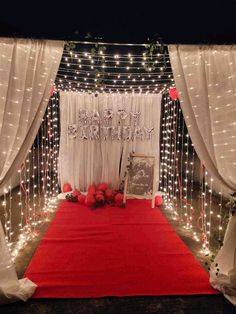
(140, 180)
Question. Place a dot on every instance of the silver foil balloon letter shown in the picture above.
(116, 133)
(95, 119)
(94, 132)
(126, 133)
(135, 117)
(107, 115)
(84, 131)
(148, 133)
(105, 132)
(83, 116)
(122, 114)
(72, 130)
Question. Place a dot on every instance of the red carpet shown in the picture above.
(114, 251)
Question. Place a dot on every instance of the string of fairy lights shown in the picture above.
(97, 70)
(179, 182)
(38, 187)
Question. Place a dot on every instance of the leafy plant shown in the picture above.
(97, 52)
(154, 47)
(69, 46)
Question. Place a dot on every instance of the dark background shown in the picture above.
(175, 21)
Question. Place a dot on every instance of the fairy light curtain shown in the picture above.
(205, 77)
(27, 69)
(86, 158)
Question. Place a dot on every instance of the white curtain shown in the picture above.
(27, 71)
(83, 162)
(205, 78)
(223, 269)
(11, 289)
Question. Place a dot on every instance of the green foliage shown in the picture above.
(154, 47)
(71, 198)
(96, 52)
(69, 46)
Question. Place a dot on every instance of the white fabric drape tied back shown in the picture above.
(27, 69)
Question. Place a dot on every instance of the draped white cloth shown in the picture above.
(83, 162)
(224, 264)
(205, 78)
(11, 289)
(27, 71)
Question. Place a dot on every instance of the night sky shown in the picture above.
(174, 21)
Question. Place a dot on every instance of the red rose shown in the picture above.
(66, 188)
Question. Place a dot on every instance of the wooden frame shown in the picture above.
(127, 180)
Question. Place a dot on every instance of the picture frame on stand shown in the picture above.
(140, 181)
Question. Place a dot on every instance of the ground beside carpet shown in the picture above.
(114, 251)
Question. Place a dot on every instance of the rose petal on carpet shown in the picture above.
(113, 251)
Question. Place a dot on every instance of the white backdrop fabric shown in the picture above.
(205, 78)
(27, 70)
(83, 162)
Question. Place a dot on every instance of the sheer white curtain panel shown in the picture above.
(27, 70)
